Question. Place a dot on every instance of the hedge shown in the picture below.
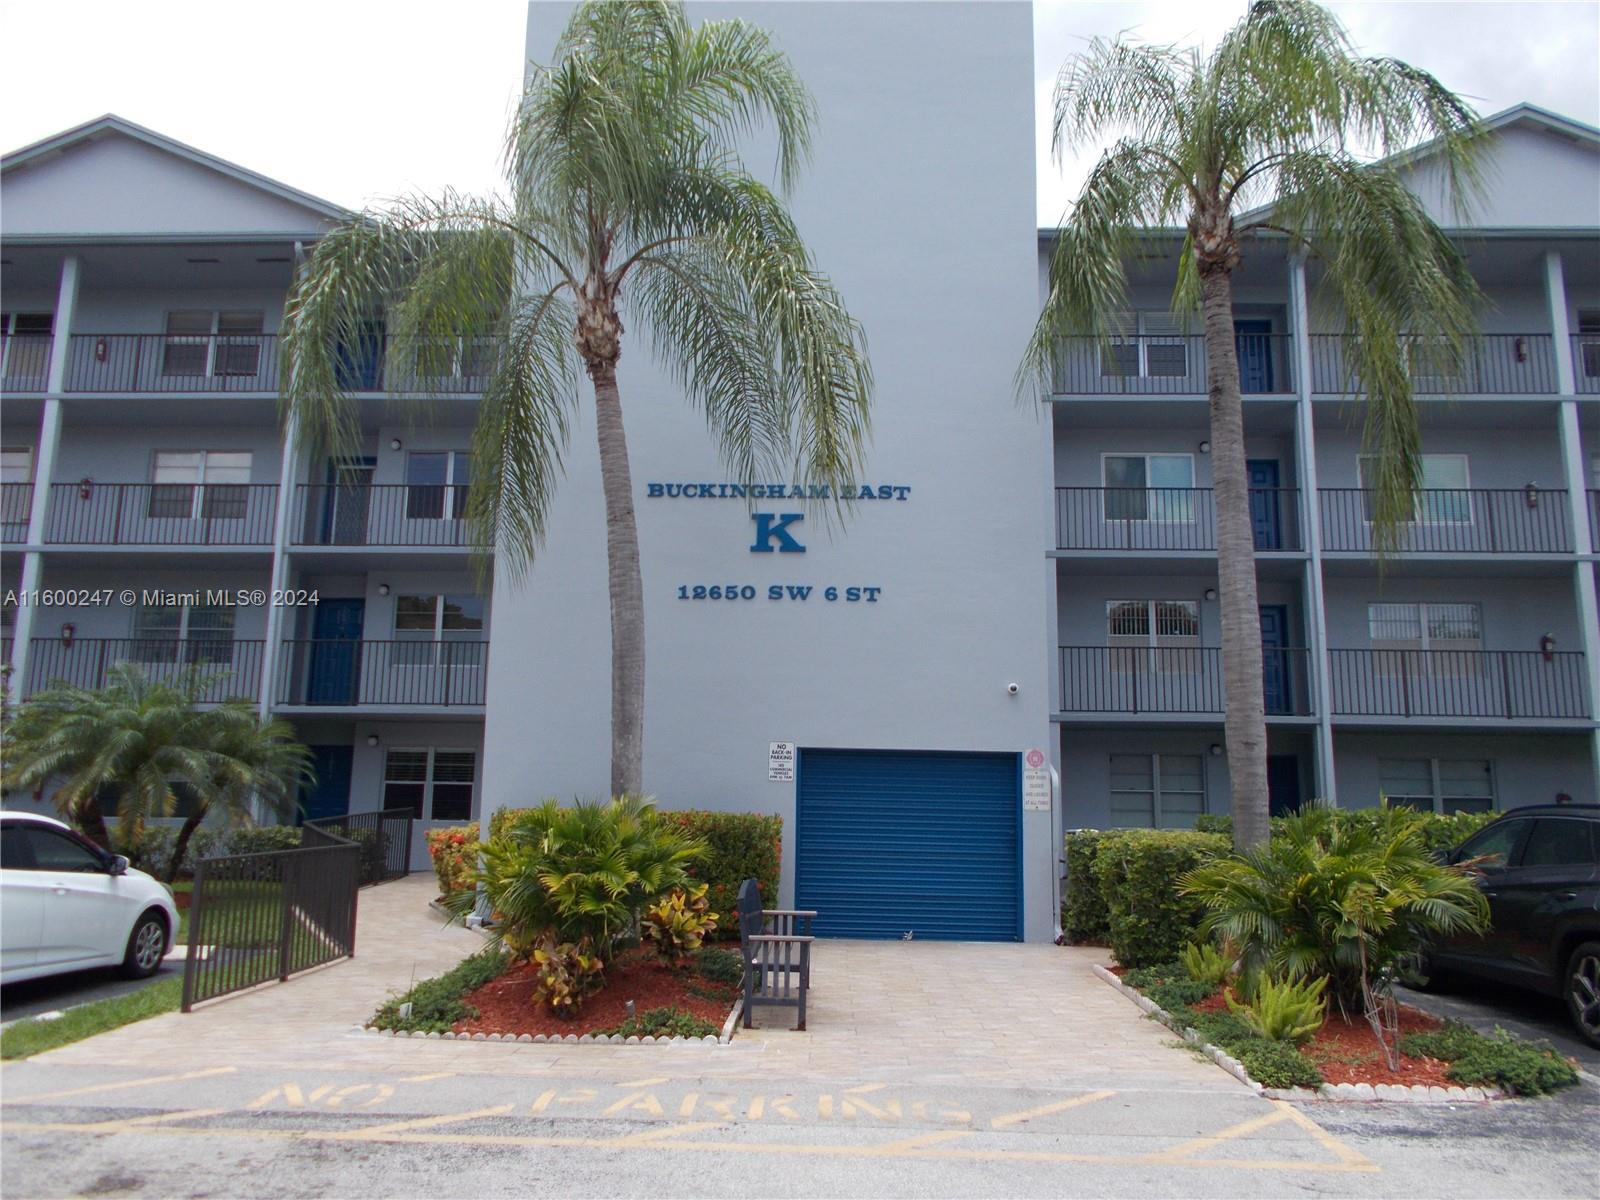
(739, 846)
(1438, 832)
(1139, 868)
(1084, 916)
(454, 853)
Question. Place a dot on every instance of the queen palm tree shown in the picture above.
(627, 193)
(1271, 135)
(146, 739)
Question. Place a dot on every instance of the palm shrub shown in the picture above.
(1353, 901)
(1290, 1010)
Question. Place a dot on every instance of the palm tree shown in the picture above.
(627, 193)
(1268, 136)
(145, 738)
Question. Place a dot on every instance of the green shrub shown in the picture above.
(1156, 973)
(1084, 917)
(665, 1022)
(1204, 963)
(1287, 1011)
(678, 923)
(565, 976)
(738, 846)
(436, 1003)
(719, 966)
(503, 819)
(1276, 1064)
(1214, 823)
(1503, 1061)
(1139, 869)
(454, 853)
(258, 839)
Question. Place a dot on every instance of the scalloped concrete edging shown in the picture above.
(1414, 1094)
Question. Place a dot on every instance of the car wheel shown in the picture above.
(147, 945)
(1582, 987)
(1429, 976)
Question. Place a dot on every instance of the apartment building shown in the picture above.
(1459, 672)
(151, 512)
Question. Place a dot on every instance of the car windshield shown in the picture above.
(1494, 844)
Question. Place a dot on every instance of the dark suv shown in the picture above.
(1541, 875)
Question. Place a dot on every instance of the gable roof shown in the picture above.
(100, 127)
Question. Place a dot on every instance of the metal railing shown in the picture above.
(1528, 520)
(16, 508)
(248, 362)
(345, 673)
(1512, 364)
(385, 514)
(230, 668)
(384, 838)
(1511, 684)
(1089, 518)
(1157, 365)
(258, 917)
(25, 362)
(1586, 362)
(1594, 519)
(161, 514)
(1174, 679)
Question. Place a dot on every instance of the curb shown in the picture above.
(1399, 1093)
(552, 1039)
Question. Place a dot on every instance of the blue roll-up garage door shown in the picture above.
(895, 842)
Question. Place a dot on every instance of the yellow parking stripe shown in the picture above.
(1044, 1110)
(115, 1087)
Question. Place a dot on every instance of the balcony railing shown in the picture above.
(231, 668)
(1090, 518)
(24, 362)
(159, 362)
(1514, 364)
(387, 674)
(1586, 362)
(1505, 684)
(1162, 679)
(1527, 520)
(1155, 365)
(16, 506)
(1594, 519)
(161, 514)
(381, 515)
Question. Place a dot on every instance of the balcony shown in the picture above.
(387, 674)
(1586, 362)
(1174, 680)
(1457, 684)
(231, 668)
(1159, 365)
(24, 363)
(1454, 521)
(1176, 519)
(192, 364)
(1498, 364)
(16, 506)
(381, 515)
(161, 514)
(1594, 519)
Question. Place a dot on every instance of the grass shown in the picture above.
(33, 1036)
(241, 914)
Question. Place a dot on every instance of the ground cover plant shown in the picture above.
(435, 1005)
(1501, 1060)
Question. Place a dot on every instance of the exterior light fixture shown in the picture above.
(1547, 647)
(85, 488)
(1531, 491)
(1211, 593)
(101, 350)
(1519, 349)
(383, 589)
(372, 739)
(395, 443)
(68, 632)
(1205, 447)
(1216, 749)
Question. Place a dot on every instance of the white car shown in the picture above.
(67, 905)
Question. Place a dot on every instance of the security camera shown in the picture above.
(1012, 689)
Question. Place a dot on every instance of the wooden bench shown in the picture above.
(775, 944)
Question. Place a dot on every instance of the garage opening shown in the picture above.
(926, 843)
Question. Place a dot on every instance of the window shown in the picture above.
(54, 851)
(436, 484)
(1561, 842)
(1153, 635)
(429, 620)
(1437, 785)
(1149, 487)
(1145, 344)
(16, 497)
(1589, 343)
(200, 483)
(190, 633)
(1452, 635)
(435, 784)
(1161, 791)
(202, 342)
(1495, 845)
(1444, 498)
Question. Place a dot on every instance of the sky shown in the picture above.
(357, 100)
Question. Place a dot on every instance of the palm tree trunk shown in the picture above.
(180, 845)
(91, 822)
(1245, 720)
(627, 588)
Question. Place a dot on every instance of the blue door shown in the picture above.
(329, 796)
(335, 663)
(1283, 784)
(358, 363)
(1275, 684)
(1252, 341)
(1264, 503)
(895, 842)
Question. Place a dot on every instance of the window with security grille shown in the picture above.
(434, 783)
(1159, 791)
(1437, 785)
(1145, 344)
(183, 633)
(201, 342)
(1154, 635)
(1434, 639)
(210, 484)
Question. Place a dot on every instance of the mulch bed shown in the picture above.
(506, 1004)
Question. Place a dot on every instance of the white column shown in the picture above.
(44, 468)
(1311, 529)
(1577, 496)
(288, 475)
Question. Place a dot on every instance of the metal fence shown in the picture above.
(1506, 684)
(1174, 679)
(1506, 364)
(1166, 365)
(24, 362)
(383, 514)
(230, 668)
(161, 514)
(384, 838)
(16, 507)
(1090, 518)
(397, 673)
(1525, 520)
